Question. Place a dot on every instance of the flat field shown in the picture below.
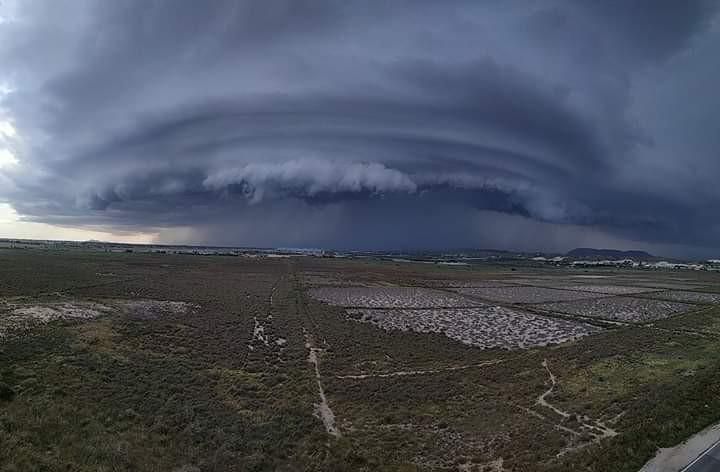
(140, 362)
(523, 294)
(627, 309)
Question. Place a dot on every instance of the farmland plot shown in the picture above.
(689, 297)
(485, 327)
(321, 279)
(390, 297)
(545, 282)
(335, 281)
(608, 289)
(526, 294)
(662, 283)
(466, 283)
(626, 309)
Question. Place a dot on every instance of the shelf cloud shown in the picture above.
(367, 124)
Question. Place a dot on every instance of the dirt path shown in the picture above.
(322, 409)
(259, 334)
(541, 399)
(271, 297)
(596, 429)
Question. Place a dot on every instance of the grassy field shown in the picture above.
(258, 375)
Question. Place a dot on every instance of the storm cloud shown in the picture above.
(405, 124)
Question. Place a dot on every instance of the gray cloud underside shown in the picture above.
(368, 124)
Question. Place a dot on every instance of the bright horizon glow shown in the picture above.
(7, 12)
(7, 129)
(7, 132)
(12, 227)
(7, 159)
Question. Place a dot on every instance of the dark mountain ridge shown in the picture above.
(611, 254)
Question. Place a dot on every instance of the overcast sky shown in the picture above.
(363, 124)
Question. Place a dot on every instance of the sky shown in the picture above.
(376, 124)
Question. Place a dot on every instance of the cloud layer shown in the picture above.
(386, 124)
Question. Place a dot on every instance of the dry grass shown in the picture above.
(168, 382)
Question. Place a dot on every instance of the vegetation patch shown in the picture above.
(228, 363)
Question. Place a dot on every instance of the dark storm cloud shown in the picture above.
(366, 124)
(653, 29)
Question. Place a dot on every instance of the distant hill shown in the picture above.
(610, 254)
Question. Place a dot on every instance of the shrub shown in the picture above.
(6, 393)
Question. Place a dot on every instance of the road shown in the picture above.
(709, 461)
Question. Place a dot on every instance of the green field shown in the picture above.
(235, 379)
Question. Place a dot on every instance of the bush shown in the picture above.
(6, 393)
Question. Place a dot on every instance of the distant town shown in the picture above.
(580, 257)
